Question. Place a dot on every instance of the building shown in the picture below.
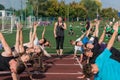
(4, 13)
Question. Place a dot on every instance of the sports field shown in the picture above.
(66, 68)
(10, 37)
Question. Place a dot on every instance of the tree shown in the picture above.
(38, 7)
(77, 11)
(84, 9)
(2, 7)
(109, 13)
(62, 9)
(53, 8)
(92, 7)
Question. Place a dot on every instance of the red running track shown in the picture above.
(57, 69)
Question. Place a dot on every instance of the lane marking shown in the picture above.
(59, 73)
(81, 66)
(64, 58)
(64, 64)
(55, 47)
(64, 54)
(8, 72)
(5, 72)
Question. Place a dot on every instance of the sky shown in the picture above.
(17, 3)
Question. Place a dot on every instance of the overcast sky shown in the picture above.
(17, 3)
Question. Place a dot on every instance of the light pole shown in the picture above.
(68, 8)
(26, 12)
(37, 9)
(21, 11)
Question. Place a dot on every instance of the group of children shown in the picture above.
(16, 58)
(103, 60)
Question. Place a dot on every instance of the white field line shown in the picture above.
(5, 72)
(64, 64)
(64, 58)
(60, 73)
(81, 66)
(50, 73)
(13, 31)
(55, 47)
(63, 54)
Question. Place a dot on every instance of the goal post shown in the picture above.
(7, 23)
(30, 21)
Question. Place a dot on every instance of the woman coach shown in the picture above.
(59, 28)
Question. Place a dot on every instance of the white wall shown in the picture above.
(5, 13)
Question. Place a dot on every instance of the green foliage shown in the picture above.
(77, 10)
(2, 7)
(53, 8)
(37, 7)
(62, 9)
(57, 8)
(109, 13)
(92, 7)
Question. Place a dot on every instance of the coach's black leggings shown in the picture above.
(59, 42)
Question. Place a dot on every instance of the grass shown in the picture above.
(10, 38)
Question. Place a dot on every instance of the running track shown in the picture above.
(66, 68)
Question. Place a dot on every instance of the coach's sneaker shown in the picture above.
(58, 52)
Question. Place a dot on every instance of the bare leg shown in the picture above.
(30, 35)
(81, 57)
(34, 34)
(30, 39)
(21, 41)
(75, 53)
(43, 33)
(58, 52)
(111, 41)
(17, 39)
(7, 50)
(61, 51)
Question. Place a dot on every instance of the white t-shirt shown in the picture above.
(78, 48)
(91, 40)
(36, 41)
